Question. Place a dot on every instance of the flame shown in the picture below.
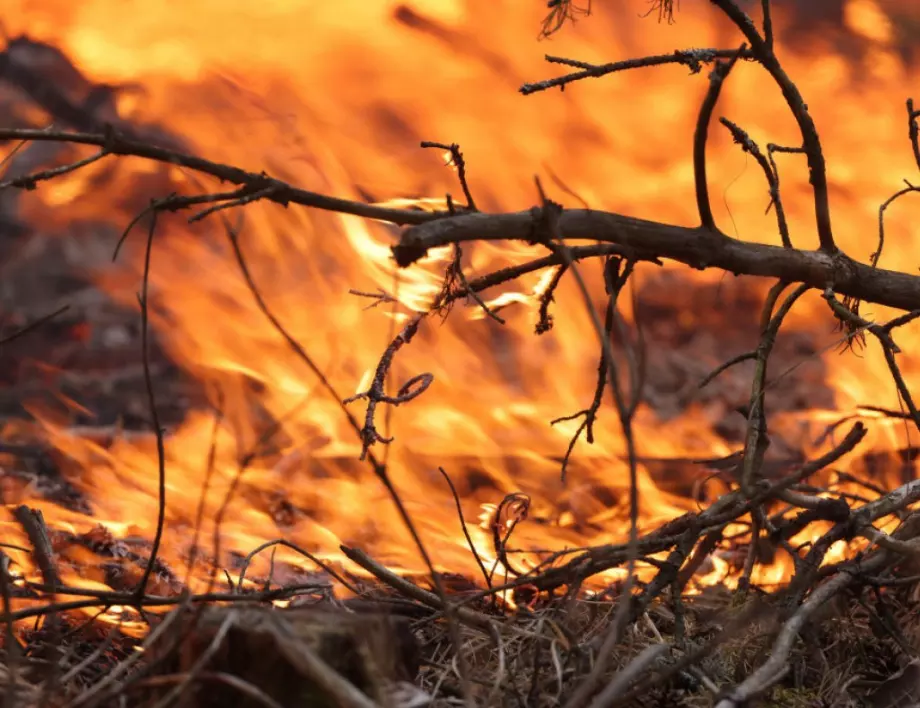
(335, 97)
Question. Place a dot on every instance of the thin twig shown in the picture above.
(143, 299)
(108, 598)
(456, 158)
(716, 80)
(244, 566)
(756, 439)
(31, 181)
(205, 486)
(284, 194)
(889, 348)
(32, 325)
(466, 532)
(811, 143)
(694, 59)
(770, 172)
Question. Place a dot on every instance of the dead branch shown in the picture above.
(410, 589)
(756, 439)
(694, 59)
(643, 239)
(701, 134)
(770, 172)
(892, 502)
(143, 300)
(33, 523)
(775, 667)
(696, 247)
(811, 143)
(114, 143)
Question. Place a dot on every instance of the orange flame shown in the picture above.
(335, 97)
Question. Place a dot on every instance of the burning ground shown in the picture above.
(457, 509)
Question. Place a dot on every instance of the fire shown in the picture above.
(335, 97)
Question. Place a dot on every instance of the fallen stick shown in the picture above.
(410, 589)
(33, 523)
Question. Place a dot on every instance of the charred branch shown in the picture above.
(696, 247)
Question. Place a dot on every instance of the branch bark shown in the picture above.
(114, 143)
(698, 247)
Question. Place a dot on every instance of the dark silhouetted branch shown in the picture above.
(697, 247)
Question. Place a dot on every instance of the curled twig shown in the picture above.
(466, 533)
(410, 390)
(511, 511)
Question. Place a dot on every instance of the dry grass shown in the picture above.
(536, 659)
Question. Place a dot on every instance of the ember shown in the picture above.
(312, 398)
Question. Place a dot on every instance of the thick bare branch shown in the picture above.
(696, 247)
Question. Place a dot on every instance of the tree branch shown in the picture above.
(697, 247)
(817, 169)
(701, 134)
(112, 143)
(694, 59)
